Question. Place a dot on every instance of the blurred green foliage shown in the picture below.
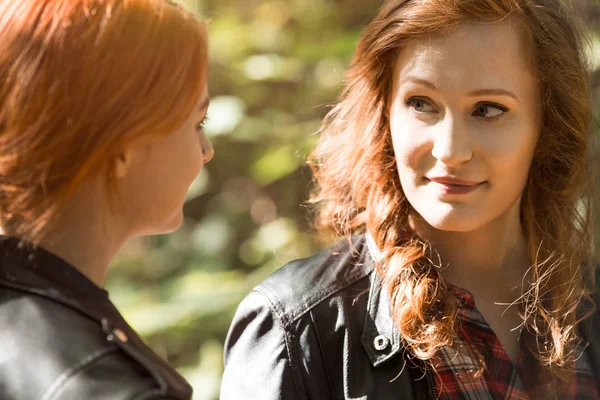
(276, 67)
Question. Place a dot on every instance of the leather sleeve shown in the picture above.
(258, 361)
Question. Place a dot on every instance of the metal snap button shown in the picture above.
(119, 334)
(381, 343)
(113, 334)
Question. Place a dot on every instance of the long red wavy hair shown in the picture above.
(358, 188)
(79, 81)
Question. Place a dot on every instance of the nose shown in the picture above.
(207, 149)
(452, 143)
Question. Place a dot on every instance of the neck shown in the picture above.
(85, 245)
(85, 235)
(494, 254)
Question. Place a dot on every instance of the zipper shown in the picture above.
(431, 379)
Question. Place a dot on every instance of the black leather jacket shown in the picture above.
(62, 338)
(320, 328)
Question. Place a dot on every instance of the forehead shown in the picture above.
(473, 54)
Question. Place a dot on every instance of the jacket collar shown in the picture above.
(380, 337)
(33, 270)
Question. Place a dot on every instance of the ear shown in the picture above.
(122, 163)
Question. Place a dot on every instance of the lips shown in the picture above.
(454, 186)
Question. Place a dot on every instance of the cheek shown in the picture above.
(510, 153)
(411, 149)
(186, 158)
(172, 170)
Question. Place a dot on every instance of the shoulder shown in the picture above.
(275, 343)
(53, 351)
(302, 284)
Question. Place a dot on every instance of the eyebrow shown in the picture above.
(420, 81)
(492, 92)
(474, 93)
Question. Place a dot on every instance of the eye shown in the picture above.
(420, 105)
(489, 111)
(202, 125)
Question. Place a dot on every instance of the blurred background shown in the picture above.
(276, 68)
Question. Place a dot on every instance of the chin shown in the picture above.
(452, 226)
(169, 226)
(450, 219)
(174, 223)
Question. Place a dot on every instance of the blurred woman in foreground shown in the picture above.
(101, 111)
(457, 166)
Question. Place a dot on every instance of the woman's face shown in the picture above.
(465, 118)
(159, 175)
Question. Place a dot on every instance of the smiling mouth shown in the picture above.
(454, 186)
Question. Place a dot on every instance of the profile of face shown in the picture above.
(154, 178)
(465, 118)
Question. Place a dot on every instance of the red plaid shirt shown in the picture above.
(501, 379)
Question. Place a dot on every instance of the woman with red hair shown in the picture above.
(102, 104)
(457, 165)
